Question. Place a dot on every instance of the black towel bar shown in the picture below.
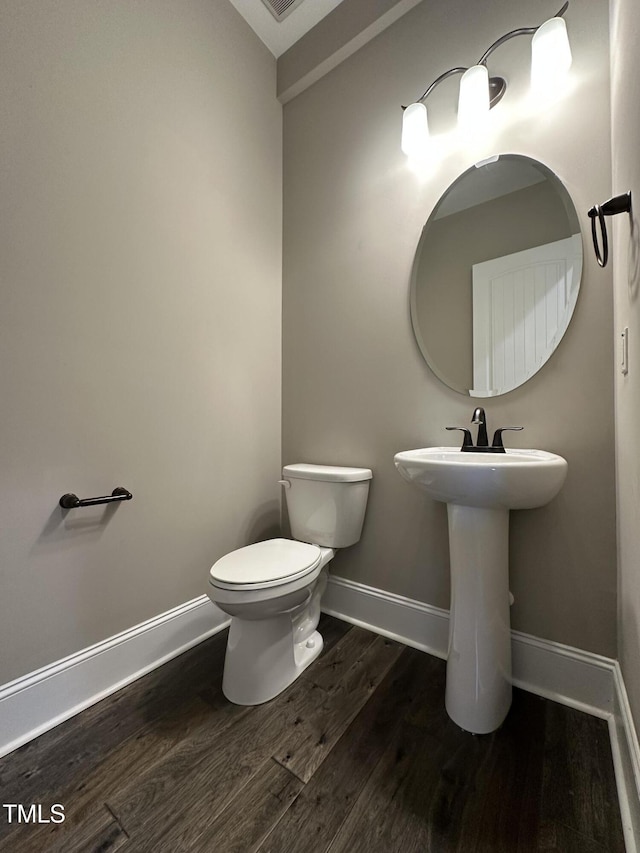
(70, 501)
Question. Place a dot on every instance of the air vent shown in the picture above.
(281, 8)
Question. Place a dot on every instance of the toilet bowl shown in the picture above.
(272, 589)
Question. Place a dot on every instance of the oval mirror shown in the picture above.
(496, 276)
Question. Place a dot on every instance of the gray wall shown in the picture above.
(343, 31)
(140, 310)
(625, 32)
(355, 389)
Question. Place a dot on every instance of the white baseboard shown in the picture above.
(41, 700)
(403, 619)
(581, 680)
(626, 760)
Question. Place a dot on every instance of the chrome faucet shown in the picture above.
(482, 441)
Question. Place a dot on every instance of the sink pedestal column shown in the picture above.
(478, 692)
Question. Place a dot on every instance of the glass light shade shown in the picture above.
(550, 56)
(473, 101)
(415, 130)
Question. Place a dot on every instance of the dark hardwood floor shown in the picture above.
(357, 755)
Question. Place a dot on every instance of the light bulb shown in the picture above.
(550, 57)
(473, 101)
(415, 130)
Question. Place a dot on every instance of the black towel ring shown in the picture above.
(599, 215)
(615, 205)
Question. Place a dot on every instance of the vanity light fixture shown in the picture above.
(550, 62)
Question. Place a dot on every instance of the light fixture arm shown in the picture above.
(438, 80)
(497, 84)
(522, 31)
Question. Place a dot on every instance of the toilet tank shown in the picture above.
(326, 503)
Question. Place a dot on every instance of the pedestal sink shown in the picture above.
(479, 490)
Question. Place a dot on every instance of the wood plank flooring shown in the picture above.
(357, 755)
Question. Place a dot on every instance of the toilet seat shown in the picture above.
(265, 564)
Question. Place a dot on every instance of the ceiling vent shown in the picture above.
(281, 8)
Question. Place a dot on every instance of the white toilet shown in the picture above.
(272, 589)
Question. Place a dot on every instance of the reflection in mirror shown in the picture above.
(496, 276)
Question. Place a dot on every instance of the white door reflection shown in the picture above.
(522, 305)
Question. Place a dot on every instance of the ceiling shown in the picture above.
(279, 36)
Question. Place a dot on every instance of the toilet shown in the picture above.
(272, 589)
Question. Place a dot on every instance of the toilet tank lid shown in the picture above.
(328, 473)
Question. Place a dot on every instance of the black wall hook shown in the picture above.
(615, 205)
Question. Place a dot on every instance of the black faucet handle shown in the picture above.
(467, 441)
(497, 436)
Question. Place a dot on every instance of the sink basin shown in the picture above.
(516, 479)
(479, 490)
